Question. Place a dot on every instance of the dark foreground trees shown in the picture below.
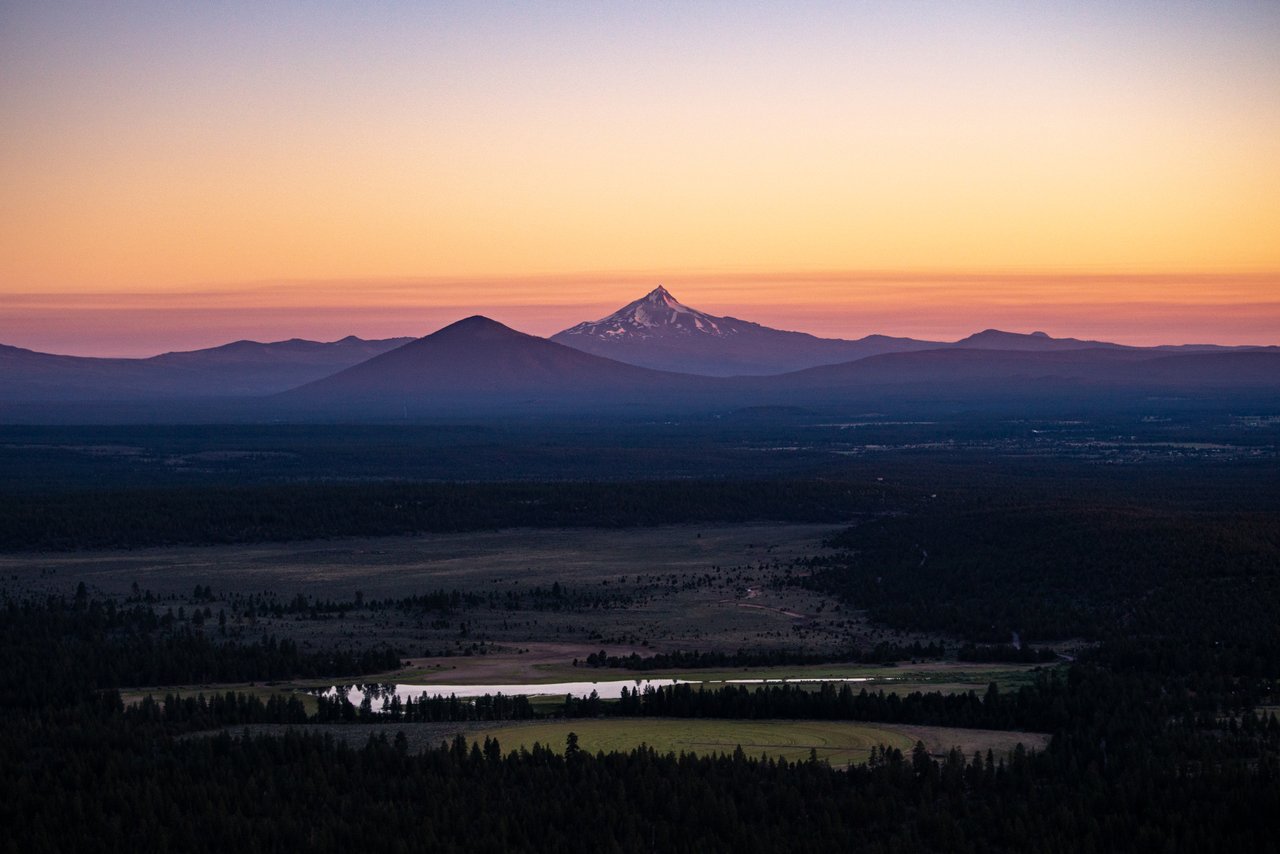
(104, 787)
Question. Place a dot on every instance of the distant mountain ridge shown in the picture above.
(658, 331)
(296, 350)
(479, 366)
(241, 368)
(998, 339)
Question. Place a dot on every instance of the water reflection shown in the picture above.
(606, 690)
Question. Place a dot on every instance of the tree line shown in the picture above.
(881, 653)
(1207, 583)
(113, 789)
(58, 650)
(133, 518)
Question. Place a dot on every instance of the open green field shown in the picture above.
(473, 561)
(837, 742)
(644, 590)
(303, 690)
(551, 663)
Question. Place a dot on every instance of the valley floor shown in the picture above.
(644, 590)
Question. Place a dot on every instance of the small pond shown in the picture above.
(606, 690)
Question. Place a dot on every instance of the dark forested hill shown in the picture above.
(478, 363)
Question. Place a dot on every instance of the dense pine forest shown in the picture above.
(114, 787)
(1145, 756)
(126, 487)
(267, 513)
(1147, 605)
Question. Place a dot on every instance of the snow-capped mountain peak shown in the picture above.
(657, 314)
(661, 297)
(658, 331)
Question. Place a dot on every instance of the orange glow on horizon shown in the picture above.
(1134, 309)
(1057, 165)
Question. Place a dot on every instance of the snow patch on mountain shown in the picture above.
(657, 314)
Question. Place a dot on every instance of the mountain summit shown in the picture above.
(658, 331)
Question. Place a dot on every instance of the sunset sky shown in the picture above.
(175, 175)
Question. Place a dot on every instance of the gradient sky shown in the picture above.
(180, 174)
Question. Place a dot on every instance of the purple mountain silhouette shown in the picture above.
(239, 369)
(478, 361)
